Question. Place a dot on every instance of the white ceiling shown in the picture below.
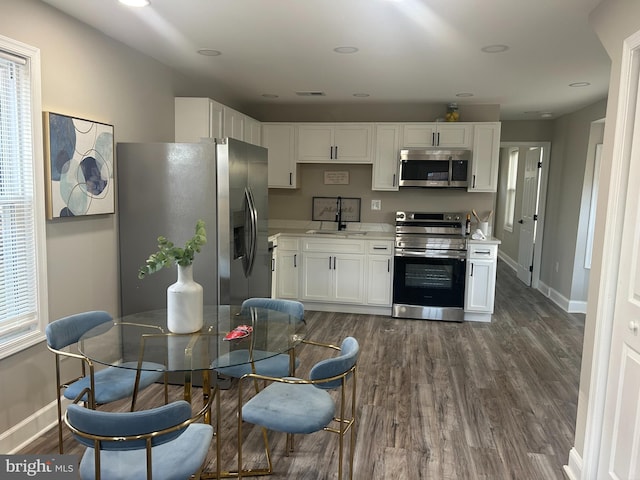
(424, 51)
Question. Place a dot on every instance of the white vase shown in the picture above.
(184, 303)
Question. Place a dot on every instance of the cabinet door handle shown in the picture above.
(329, 263)
(474, 182)
(295, 260)
(388, 265)
(336, 157)
(334, 263)
(290, 178)
(438, 138)
(433, 139)
(393, 183)
(471, 272)
(379, 248)
(273, 265)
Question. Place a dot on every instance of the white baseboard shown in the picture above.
(32, 427)
(346, 308)
(510, 262)
(573, 470)
(570, 306)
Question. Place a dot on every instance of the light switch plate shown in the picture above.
(376, 204)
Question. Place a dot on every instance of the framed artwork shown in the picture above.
(79, 166)
(324, 209)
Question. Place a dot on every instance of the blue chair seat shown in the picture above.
(265, 363)
(290, 408)
(178, 446)
(115, 383)
(170, 460)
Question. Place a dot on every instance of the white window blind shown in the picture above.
(21, 239)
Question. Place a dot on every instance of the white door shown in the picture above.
(620, 447)
(528, 214)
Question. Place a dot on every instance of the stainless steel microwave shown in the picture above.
(434, 168)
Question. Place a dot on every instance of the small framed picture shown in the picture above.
(325, 209)
(79, 166)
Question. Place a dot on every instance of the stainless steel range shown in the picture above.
(429, 266)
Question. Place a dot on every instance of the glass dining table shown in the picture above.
(140, 339)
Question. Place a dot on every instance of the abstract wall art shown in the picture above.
(79, 166)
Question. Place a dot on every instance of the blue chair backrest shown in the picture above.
(332, 367)
(290, 307)
(120, 424)
(68, 330)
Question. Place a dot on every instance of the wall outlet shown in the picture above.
(376, 204)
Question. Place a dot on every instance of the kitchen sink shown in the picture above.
(327, 232)
(336, 233)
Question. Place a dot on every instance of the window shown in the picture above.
(23, 294)
(512, 177)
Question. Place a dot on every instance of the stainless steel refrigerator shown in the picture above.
(164, 188)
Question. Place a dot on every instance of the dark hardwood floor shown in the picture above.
(436, 400)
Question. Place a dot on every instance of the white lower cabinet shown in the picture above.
(333, 270)
(287, 268)
(481, 279)
(379, 272)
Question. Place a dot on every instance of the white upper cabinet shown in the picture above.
(279, 139)
(233, 124)
(198, 118)
(335, 143)
(386, 152)
(252, 131)
(437, 134)
(485, 158)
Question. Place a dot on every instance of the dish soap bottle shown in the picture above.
(467, 228)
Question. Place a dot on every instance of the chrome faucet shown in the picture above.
(341, 226)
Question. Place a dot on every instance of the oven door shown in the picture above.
(428, 287)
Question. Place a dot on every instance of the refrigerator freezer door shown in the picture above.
(244, 243)
(163, 189)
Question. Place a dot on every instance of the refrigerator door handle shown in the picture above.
(252, 234)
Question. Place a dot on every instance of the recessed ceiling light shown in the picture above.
(546, 114)
(532, 112)
(134, 3)
(361, 95)
(345, 49)
(269, 95)
(498, 48)
(579, 84)
(209, 52)
(464, 94)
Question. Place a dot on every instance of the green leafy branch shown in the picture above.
(168, 254)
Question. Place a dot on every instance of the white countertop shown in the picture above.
(489, 240)
(356, 231)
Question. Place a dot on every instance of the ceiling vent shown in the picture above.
(311, 94)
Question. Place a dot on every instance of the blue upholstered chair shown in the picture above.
(303, 406)
(93, 388)
(162, 443)
(264, 363)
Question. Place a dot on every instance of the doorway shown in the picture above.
(520, 206)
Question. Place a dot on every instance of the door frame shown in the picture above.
(609, 232)
(542, 203)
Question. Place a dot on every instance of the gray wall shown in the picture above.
(84, 74)
(564, 195)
